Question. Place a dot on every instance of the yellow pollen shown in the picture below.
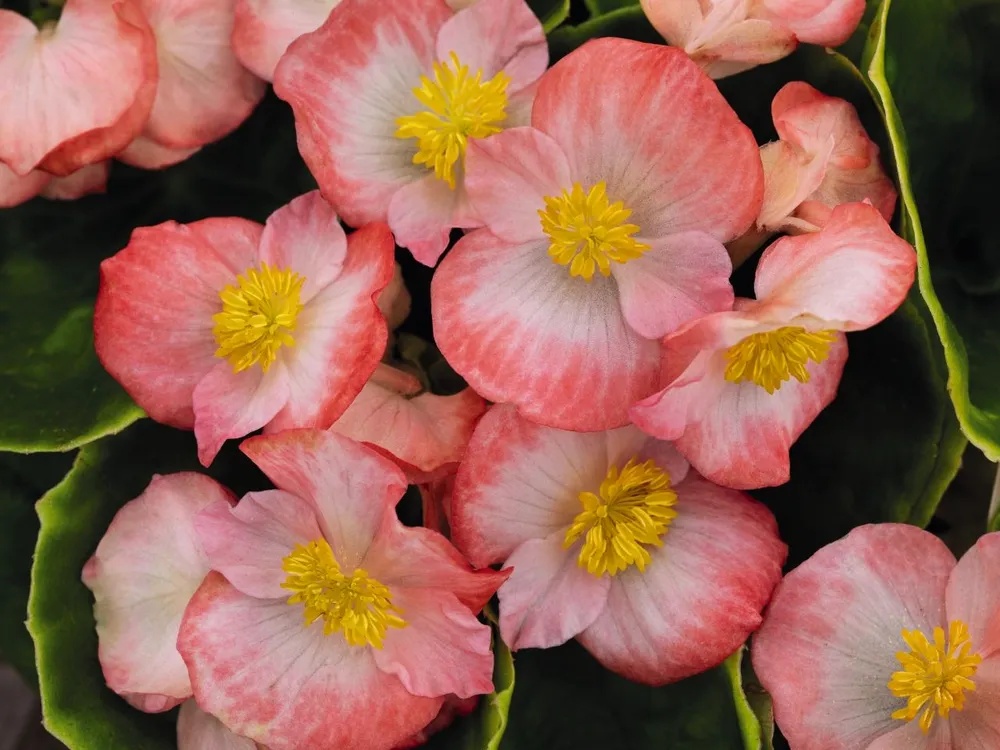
(769, 359)
(934, 674)
(459, 106)
(634, 508)
(258, 316)
(357, 605)
(587, 231)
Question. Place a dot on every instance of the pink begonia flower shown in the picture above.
(203, 92)
(435, 497)
(880, 641)
(727, 37)
(197, 730)
(143, 574)
(614, 541)
(148, 154)
(422, 432)
(227, 326)
(742, 386)
(387, 95)
(555, 306)
(77, 91)
(331, 625)
(15, 190)
(824, 159)
(395, 300)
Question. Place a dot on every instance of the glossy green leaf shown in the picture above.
(628, 23)
(54, 394)
(750, 724)
(993, 523)
(550, 12)
(600, 7)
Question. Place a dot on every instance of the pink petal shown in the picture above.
(144, 572)
(435, 501)
(852, 275)
(827, 648)
(15, 190)
(247, 544)
(521, 330)
(829, 23)
(790, 177)
(203, 93)
(677, 20)
(153, 320)
(348, 83)
(62, 110)
(197, 730)
(974, 594)
(422, 213)
(548, 598)
(85, 181)
(978, 725)
(349, 486)
(266, 676)
(687, 164)
(148, 154)
(743, 45)
(701, 596)
(263, 29)
(909, 736)
(394, 301)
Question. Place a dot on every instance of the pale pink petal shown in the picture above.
(263, 29)
(977, 726)
(15, 190)
(679, 21)
(144, 572)
(197, 730)
(422, 213)
(974, 594)
(744, 45)
(827, 648)
(790, 177)
(909, 736)
(85, 181)
(826, 22)
(394, 301)
(148, 154)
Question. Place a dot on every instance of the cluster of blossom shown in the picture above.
(632, 396)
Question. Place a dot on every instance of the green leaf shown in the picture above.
(550, 12)
(54, 394)
(627, 22)
(994, 512)
(565, 700)
(753, 704)
(935, 65)
(600, 7)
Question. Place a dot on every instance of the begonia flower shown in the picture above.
(615, 542)
(727, 37)
(76, 91)
(880, 641)
(143, 574)
(331, 624)
(387, 96)
(422, 432)
(226, 326)
(824, 159)
(197, 730)
(604, 232)
(203, 92)
(15, 189)
(742, 386)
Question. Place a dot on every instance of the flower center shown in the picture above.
(769, 359)
(459, 106)
(934, 675)
(258, 316)
(634, 508)
(357, 605)
(587, 231)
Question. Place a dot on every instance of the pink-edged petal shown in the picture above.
(349, 486)
(790, 177)
(978, 724)
(548, 598)
(909, 736)
(394, 301)
(248, 543)
(497, 35)
(681, 277)
(520, 481)
(197, 730)
(452, 709)
(348, 82)
(15, 189)
(435, 501)
(203, 92)
(442, 650)
(148, 154)
(84, 181)
(826, 22)
(424, 432)
(521, 330)
(62, 111)
(688, 164)
(701, 595)
(509, 175)
(678, 21)
(340, 334)
(852, 274)
(231, 404)
(153, 319)
(974, 594)
(264, 674)
(263, 29)
(144, 572)
(828, 645)
(422, 214)
(743, 45)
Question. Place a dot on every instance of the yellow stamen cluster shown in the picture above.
(588, 232)
(357, 605)
(769, 359)
(935, 674)
(460, 106)
(258, 316)
(634, 507)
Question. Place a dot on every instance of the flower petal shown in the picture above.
(521, 330)
(85, 181)
(974, 594)
(263, 29)
(827, 648)
(422, 213)
(15, 189)
(144, 572)
(702, 594)
(978, 725)
(263, 673)
(148, 154)
(790, 177)
(909, 736)
(828, 23)
(197, 730)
